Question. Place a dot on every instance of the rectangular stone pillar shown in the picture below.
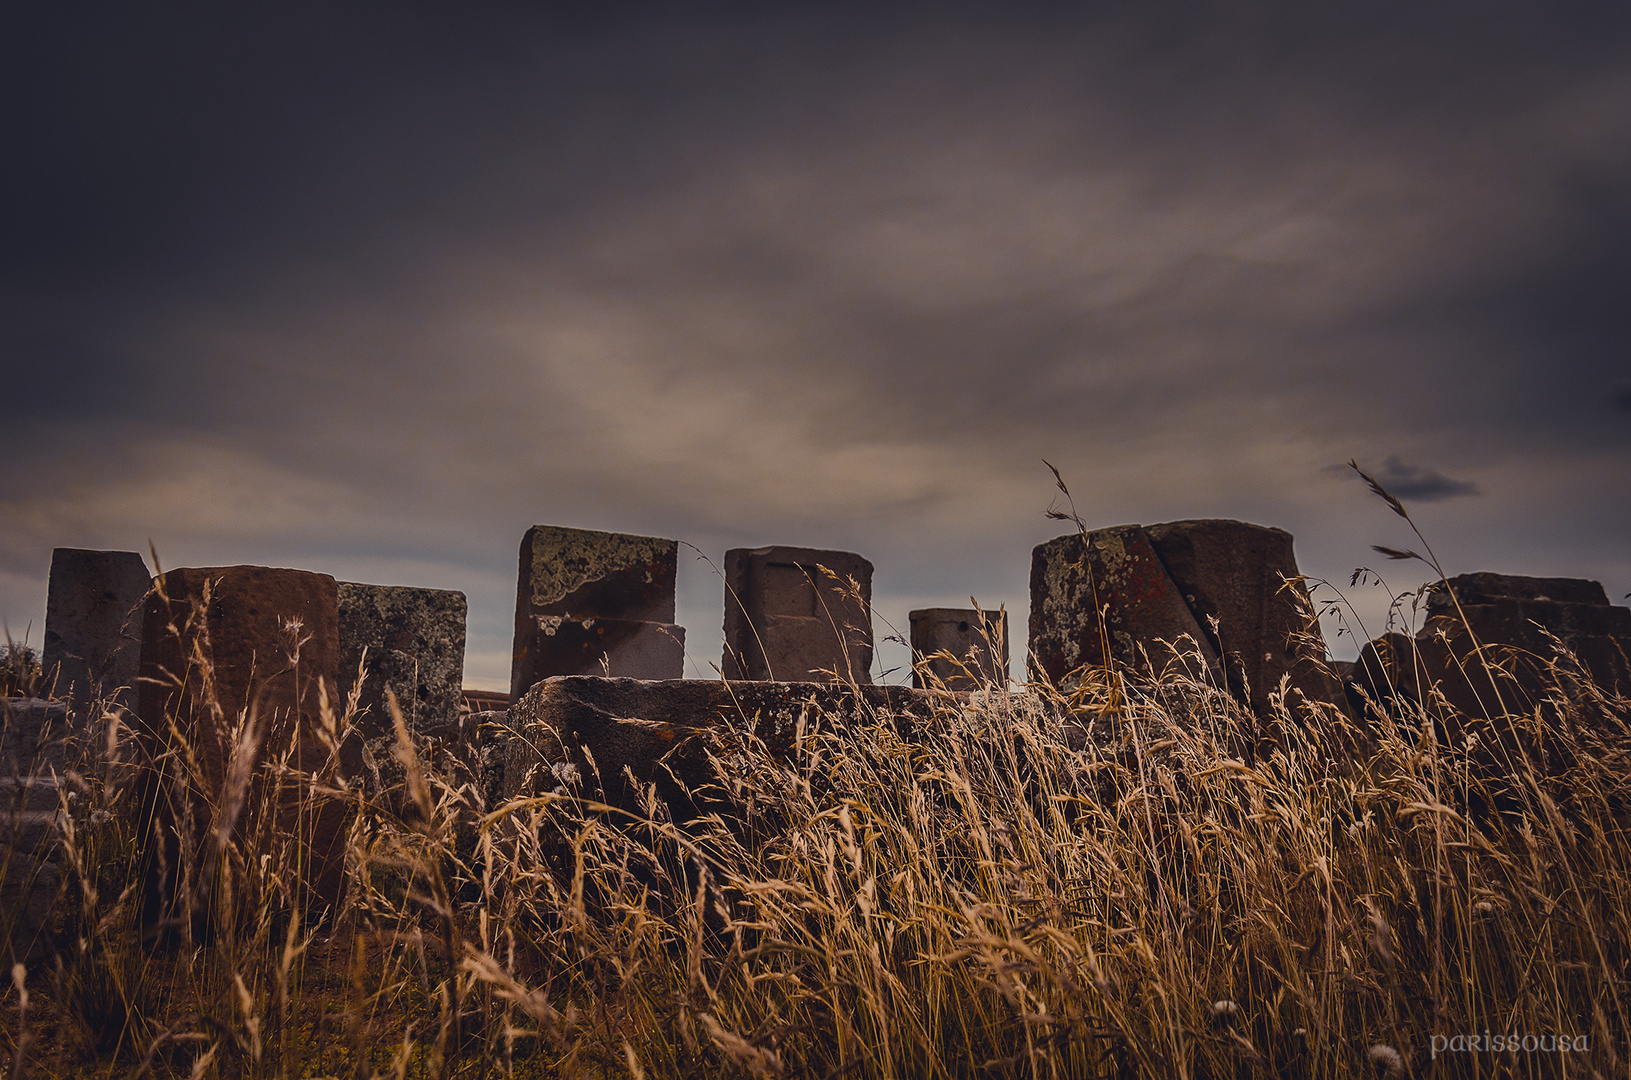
(594, 603)
(1107, 596)
(219, 641)
(413, 641)
(786, 620)
(93, 625)
(977, 641)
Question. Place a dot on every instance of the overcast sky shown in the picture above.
(371, 291)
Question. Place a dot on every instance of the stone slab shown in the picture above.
(1245, 577)
(217, 641)
(607, 739)
(1487, 588)
(93, 625)
(976, 640)
(1521, 622)
(622, 648)
(406, 640)
(787, 620)
(1146, 622)
(492, 742)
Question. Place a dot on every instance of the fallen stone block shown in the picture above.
(1245, 577)
(93, 625)
(607, 739)
(408, 641)
(476, 701)
(1107, 596)
(220, 644)
(572, 575)
(30, 820)
(976, 640)
(786, 619)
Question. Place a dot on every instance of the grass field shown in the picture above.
(1133, 876)
(1045, 884)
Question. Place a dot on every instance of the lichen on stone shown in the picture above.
(564, 560)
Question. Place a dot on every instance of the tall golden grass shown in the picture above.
(1039, 884)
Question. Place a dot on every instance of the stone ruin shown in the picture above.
(268, 638)
(795, 614)
(1218, 600)
(1489, 640)
(959, 648)
(594, 603)
(1215, 599)
(217, 641)
(93, 627)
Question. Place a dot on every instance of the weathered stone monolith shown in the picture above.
(594, 603)
(1245, 577)
(787, 619)
(976, 640)
(1109, 588)
(409, 641)
(219, 644)
(93, 625)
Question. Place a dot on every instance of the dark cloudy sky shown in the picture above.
(371, 290)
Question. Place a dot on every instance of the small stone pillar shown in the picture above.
(93, 625)
(594, 603)
(787, 620)
(977, 641)
(267, 639)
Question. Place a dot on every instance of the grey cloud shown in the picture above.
(362, 279)
(1419, 484)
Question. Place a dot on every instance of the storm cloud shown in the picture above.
(371, 290)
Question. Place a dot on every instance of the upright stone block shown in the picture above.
(787, 620)
(1110, 588)
(1245, 576)
(409, 641)
(977, 641)
(93, 624)
(222, 640)
(595, 603)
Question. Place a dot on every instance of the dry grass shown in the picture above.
(1046, 884)
(1038, 885)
